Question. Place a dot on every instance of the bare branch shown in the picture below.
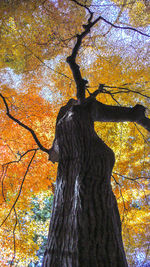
(82, 5)
(147, 121)
(135, 180)
(146, 125)
(107, 92)
(98, 91)
(137, 115)
(24, 126)
(123, 90)
(6, 165)
(21, 156)
(126, 90)
(102, 112)
(5, 144)
(44, 64)
(80, 82)
(124, 206)
(142, 133)
(110, 23)
(124, 28)
(20, 190)
(130, 178)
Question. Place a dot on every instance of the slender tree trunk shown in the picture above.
(85, 227)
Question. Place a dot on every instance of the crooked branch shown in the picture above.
(13, 206)
(124, 27)
(130, 178)
(71, 60)
(135, 180)
(6, 165)
(126, 90)
(81, 83)
(24, 126)
(122, 90)
(110, 23)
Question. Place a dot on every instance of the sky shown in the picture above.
(127, 40)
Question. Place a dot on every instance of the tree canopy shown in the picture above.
(35, 81)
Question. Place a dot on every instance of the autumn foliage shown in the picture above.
(36, 38)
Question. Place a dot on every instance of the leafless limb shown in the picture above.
(43, 63)
(21, 156)
(130, 178)
(109, 23)
(124, 28)
(135, 180)
(123, 90)
(116, 20)
(6, 165)
(141, 134)
(8, 147)
(71, 60)
(107, 92)
(126, 90)
(24, 126)
(102, 90)
(20, 190)
(82, 5)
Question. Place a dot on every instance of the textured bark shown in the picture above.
(85, 227)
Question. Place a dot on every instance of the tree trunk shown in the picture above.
(85, 227)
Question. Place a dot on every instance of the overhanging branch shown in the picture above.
(24, 126)
(71, 60)
(123, 27)
(110, 23)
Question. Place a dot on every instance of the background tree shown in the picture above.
(34, 55)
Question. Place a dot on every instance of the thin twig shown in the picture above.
(20, 190)
(125, 209)
(130, 178)
(126, 90)
(21, 156)
(107, 92)
(141, 134)
(6, 165)
(135, 180)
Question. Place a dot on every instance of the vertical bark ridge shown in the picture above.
(85, 224)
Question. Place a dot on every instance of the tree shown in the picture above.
(85, 227)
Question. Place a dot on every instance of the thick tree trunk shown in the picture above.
(85, 227)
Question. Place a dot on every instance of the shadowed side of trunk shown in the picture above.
(85, 228)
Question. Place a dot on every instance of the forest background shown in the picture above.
(35, 80)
